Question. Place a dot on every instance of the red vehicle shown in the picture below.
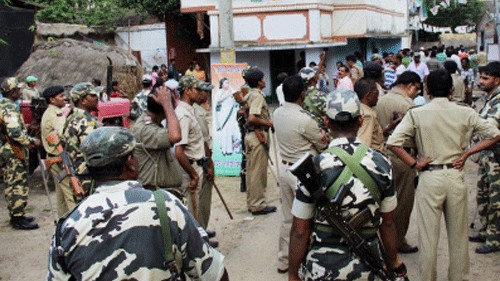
(110, 112)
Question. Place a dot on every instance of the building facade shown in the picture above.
(272, 33)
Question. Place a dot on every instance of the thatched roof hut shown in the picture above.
(67, 62)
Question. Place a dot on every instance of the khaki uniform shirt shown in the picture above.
(30, 93)
(296, 140)
(154, 141)
(371, 133)
(257, 104)
(201, 117)
(192, 136)
(441, 130)
(396, 101)
(52, 120)
(459, 88)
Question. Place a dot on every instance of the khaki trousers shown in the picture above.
(256, 176)
(288, 185)
(404, 183)
(205, 203)
(188, 194)
(442, 192)
(64, 192)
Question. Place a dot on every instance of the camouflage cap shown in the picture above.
(9, 84)
(106, 144)
(307, 73)
(342, 105)
(82, 89)
(207, 87)
(189, 81)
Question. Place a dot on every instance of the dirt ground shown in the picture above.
(249, 243)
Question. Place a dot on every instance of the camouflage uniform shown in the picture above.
(488, 193)
(15, 176)
(139, 104)
(315, 101)
(78, 125)
(326, 247)
(115, 234)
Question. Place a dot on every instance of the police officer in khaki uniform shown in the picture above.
(53, 120)
(190, 151)
(390, 109)
(205, 203)
(370, 133)
(293, 142)
(441, 131)
(257, 156)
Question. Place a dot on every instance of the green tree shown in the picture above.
(102, 13)
(456, 14)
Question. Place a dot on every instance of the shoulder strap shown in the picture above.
(353, 166)
(165, 231)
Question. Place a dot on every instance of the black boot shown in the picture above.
(22, 223)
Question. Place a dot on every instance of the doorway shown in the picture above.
(280, 61)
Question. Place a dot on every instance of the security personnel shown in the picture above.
(208, 175)
(117, 232)
(293, 142)
(441, 131)
(370, 133)
(78, 125)
(53, 120)
(139, 103)
(488, 193)
(314, 101)
(390, 109)
(158, 167)
(14, 144)
(256, 155)
(316, 245)
(190, 151)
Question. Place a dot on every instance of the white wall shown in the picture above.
(149, 39)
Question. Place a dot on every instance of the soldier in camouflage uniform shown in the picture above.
(78, 125)
(14, 144)
(139, 103)
(116, 234)
(318, 253)
(315, 101)
(488, 193)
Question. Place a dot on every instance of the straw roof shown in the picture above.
(68, 61)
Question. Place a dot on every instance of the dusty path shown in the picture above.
(249, 244)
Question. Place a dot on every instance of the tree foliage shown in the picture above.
(89, 12)
(456, 14)
(155, 8)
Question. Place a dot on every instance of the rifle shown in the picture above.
(69, 169)
(309, 174)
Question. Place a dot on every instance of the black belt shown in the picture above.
(253, 130)
(435, 167)
(198, 162)
(287, 163)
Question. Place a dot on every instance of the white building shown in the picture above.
(272, 33)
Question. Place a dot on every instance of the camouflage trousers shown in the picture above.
(488, 198)
(16, 186)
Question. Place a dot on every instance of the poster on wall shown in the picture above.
(227, 145)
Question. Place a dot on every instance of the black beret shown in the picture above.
(253, 75)
(53, 91)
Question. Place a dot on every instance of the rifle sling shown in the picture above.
(353, 166)
(165, 232)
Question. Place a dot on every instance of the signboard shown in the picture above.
(227, 145)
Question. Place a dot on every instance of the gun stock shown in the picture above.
(53, 139)
(51, 161)
(262, 138)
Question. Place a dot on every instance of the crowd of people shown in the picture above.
(386, 135)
